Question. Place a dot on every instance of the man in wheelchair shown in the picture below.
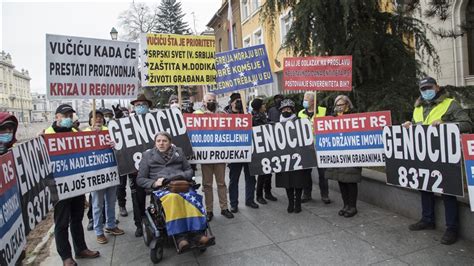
(165, 168)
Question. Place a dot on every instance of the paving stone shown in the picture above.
(335, 248)
(439, 255)
(390, 262)
(267, 255)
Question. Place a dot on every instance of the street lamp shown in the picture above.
(113, 34)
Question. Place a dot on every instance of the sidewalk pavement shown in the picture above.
(271, 236)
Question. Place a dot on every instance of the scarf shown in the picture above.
(167, 154)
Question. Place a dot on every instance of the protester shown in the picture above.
(274, 111)
(75, 122)
(235, 107)
(264, 182)
(347, 177)
(174, 102)
(188, 108)
(141, 106)
(8, 128)
(120, 112)
(308, 112)
(108, 115)
(104, 198)
(215, 170)
(293, 181)
(161, 165)
(434, 107)
(68, 213)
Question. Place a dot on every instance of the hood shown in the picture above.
(4, 116)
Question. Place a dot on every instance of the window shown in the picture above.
(234, 36)
(247, 41)
(257, 37)
(220, 45)
(285, 22)
(245, 9)
(470, 35)
(255, 5)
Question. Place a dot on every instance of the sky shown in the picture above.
(24, 25)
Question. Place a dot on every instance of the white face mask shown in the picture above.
(174, 105)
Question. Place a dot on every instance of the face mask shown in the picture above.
(141, 109)
(286, 114)
(3, 149)
(174, 105)
(428, 94)
(6, 137)
(305, 104)
(107, 119)
(66, 122)
(211, 106)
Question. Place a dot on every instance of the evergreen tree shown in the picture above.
(170, 18)
(382, 36)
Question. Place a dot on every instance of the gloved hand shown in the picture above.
(117, 111)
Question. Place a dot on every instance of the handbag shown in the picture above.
(179, 186)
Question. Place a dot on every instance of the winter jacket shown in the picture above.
(153, 166)
(259, 119)
(274, 114)
(454, 114)
(4, 116)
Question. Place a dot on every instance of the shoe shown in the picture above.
(343, 210)
(209, 216)
(139, 232)
(304, 200)
(114, 231)
(69, 262)
(183, 245)
(101, 239)
(234, 209)
(88, 254)
(203, 240)
(291, 208)
(326, 200)
(261, 200)
(450, 237)
(117, 221)
(351, 211)
(123, 211)
(227, 214)
(252, 205)
(270, 197)
(90, 225)
(421, 225)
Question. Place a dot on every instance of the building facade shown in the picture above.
(456, 53)
(15, 93)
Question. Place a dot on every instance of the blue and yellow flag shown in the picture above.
(184, 211)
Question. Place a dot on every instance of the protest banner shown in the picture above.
(220, 138)
(424, 158)
(352, 140)
(170, 59)
(468, 150)
(318, 73)
(89, 68)
(135, 134)
(242, 69)
(282, 147)
(33, 169)
(82, 162)
(12, 228)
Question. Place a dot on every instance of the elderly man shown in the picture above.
(217, 170)
(308, 112)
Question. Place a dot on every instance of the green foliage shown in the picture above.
(170, 18)
(385, 68)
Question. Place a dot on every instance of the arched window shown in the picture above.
(470, 35)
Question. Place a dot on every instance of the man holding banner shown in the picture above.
(235, 107)
(308, 112)
(434, 107)
(69, 212)
(217, 170)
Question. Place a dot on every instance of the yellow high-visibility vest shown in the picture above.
(321, 113)
(50, 130)
(435, 114)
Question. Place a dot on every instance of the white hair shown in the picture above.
(344, 98)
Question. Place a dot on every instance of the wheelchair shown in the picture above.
(154, 228)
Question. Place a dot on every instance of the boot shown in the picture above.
(290, 193)
(298, 200)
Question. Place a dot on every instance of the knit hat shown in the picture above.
(257, 104)
(234, 96)
(287, 103)
(173, 98)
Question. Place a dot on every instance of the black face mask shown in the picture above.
(238, 105)
(286, 114)
(211, 106)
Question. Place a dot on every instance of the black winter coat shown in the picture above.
(294, 179)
